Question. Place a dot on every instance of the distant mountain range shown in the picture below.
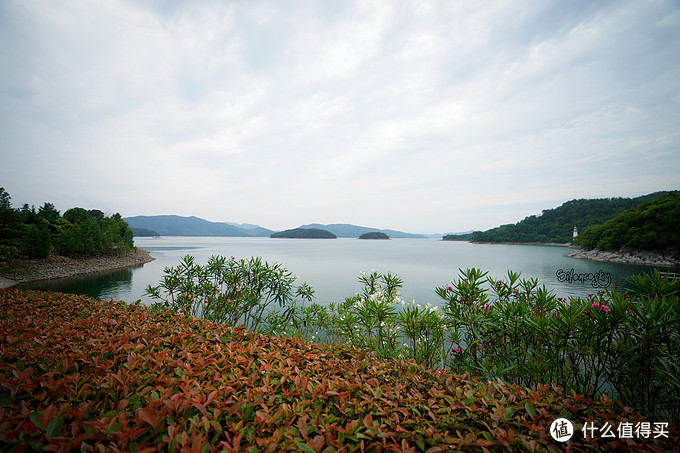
(173, 225)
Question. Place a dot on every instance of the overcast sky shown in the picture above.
(423, 116)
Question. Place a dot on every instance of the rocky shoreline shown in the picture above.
(630, 256)
(55, 267)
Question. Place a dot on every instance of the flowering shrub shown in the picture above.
(624, 345)
(78, 374)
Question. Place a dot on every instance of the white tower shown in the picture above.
(575, 231)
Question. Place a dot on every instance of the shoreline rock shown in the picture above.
(630, 256)
(56, 267)
(555, 244)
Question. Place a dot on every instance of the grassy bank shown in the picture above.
(78, 373)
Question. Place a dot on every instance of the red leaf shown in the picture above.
(23, 375)
(200, 407)
(302, 424)
(145, 414)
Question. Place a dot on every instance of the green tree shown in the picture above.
(5, 200)
(653, 225)
(48, 212)
(36, 241)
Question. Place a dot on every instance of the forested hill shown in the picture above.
(653, 225)
(173, 225)
(557, 225)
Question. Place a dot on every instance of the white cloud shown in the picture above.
(426, 117)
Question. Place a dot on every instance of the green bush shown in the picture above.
(228, 290)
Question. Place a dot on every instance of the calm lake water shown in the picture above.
(331, 267)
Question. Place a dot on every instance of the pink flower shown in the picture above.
(484, 345)
(605, 309)
(457, 350)
(448, 288)
(596, 305)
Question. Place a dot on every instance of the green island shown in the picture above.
(304, 233)
(374, 235)
(144, 232)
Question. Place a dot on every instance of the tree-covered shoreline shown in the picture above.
(30, 233)
(653, 225)
(556, 226)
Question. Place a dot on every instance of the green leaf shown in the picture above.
(54, 426)
(304, 447)
(530, 409)
(35, 418)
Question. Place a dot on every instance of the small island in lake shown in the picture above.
(374, 235)
(304, 233)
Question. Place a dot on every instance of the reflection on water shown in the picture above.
(102, 285)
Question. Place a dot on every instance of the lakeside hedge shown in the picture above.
(79, 373)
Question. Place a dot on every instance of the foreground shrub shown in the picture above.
(624, 345)
(229, 291)
(82, 374)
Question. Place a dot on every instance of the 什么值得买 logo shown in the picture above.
(561, 429)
